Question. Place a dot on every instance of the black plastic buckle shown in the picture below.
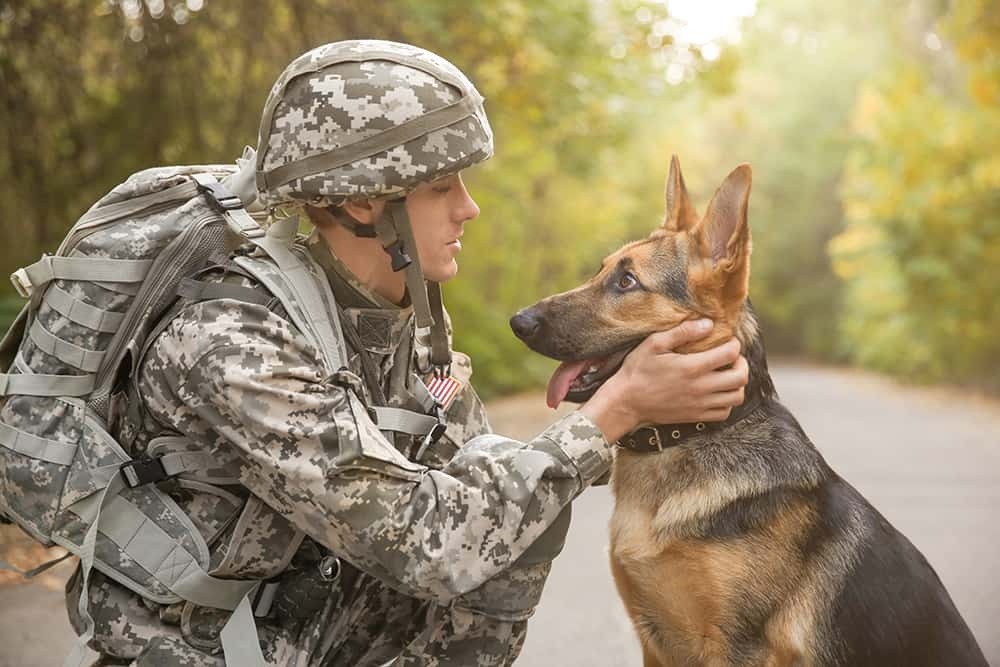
(438, 413)
(220, 196)
(146, 470)
(436, 432)
(400, 260)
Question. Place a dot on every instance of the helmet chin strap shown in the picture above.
(395, 233)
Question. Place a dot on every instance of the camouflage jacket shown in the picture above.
(440, 544)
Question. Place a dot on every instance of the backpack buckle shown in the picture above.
(146, 470)
(22, 284)
(220, 195)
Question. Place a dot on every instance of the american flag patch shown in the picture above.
(444, 389)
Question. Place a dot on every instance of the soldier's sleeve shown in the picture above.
(309, 449)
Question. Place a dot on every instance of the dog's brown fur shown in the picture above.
(742, 547)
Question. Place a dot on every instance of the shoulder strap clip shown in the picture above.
(146, 470)
(218, 194)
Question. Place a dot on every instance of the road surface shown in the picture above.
(929, 459)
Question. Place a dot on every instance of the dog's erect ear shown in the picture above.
(680, 212)
(724, 233)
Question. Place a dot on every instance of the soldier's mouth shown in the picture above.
(576, 381)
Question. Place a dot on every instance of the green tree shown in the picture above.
(921, 252)
(94, 90)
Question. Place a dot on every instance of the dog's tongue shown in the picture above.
(561, 380)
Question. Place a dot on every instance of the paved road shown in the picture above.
(928, 459)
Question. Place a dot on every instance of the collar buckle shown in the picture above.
(654, 439)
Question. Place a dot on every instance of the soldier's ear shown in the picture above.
(364, 211)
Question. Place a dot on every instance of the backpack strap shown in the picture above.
(198, 290)
(38, 384)
(301, 287)
(36, 276)
(404, 421)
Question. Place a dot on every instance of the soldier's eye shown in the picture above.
(628, 281)
(441, 189)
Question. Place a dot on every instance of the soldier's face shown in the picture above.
(438, 212)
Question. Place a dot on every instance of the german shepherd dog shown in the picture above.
(735, 543)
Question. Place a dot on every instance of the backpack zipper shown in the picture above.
(181, 247)
(87, 226)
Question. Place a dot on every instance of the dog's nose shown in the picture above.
(526, 324)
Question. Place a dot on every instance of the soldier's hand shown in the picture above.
(656, 385)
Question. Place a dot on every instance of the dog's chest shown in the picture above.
(641, 492)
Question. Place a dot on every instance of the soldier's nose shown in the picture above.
(526, 323)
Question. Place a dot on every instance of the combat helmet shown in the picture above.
(372, 118)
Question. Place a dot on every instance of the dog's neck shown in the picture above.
(759, 391)
(760, 386)
(741, 325)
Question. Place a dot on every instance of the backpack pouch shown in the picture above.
(39, 437)
(144, 538)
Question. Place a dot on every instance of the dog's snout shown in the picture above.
(526, 323)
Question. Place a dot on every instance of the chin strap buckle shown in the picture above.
(400, 260)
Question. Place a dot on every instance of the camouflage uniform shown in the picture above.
(383, 549)
(443, 544)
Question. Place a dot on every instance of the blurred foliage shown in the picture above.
(588, 101)
(921, 253)
(786, 111)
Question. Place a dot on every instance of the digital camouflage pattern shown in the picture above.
(332, 99)
(443, 556)
(56, 451)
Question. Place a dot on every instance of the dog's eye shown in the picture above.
(628, 281)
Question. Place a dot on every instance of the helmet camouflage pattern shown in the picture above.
(367, 118)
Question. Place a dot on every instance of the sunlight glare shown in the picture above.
(703, 21)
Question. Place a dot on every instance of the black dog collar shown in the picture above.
(653, 439)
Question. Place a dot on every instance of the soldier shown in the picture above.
(380, 546)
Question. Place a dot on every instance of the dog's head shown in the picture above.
(689, 267)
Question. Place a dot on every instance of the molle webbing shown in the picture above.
(36, 276)
(37, 384)
(68, 481)
(81, 312)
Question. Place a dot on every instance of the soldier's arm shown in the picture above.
(310, 451)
